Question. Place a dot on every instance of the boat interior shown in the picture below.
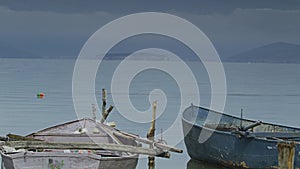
(204, 117)
(80, 131)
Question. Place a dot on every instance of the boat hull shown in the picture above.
(232, 150)
(38, 160)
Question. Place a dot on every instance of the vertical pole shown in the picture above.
(286, 155)
(94, 112)
(103, 100)
(241, 122)
(104, 113)
(151, 134)
(161, 135)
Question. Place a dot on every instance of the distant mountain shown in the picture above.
(279, 52)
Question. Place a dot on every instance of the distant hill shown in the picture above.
(279, 52)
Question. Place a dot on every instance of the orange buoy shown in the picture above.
(40, 95)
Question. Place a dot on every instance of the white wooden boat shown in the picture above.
(78, 131)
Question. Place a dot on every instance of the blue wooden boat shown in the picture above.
(239, 143)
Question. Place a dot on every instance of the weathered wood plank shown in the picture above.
(276, 134)
(83, 146)
(69, 135)
(14, 137)
(146, 141)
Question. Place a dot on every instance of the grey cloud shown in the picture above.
(244, 29)
(49, 33)
(232, 32)
(130, 6)
(38, 23)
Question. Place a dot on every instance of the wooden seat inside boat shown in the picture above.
(221, 127)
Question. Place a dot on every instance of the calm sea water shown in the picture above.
(267, 92)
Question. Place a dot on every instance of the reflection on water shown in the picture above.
(193, 164)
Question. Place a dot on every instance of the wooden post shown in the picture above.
(286, 155)
(94, 110)
(146, 141)
(105, 112)
(241, 121)
(103, 101)
(151, 134)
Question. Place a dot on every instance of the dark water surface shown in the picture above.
(267, 92)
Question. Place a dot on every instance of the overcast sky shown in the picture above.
(60, 27)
